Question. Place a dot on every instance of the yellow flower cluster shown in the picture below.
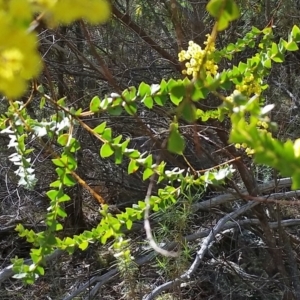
(248, 150)
(249, 86)
(263, 126)
(199, 58)
(19, 57)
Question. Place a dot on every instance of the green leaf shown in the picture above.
(199, 93)
(131, 108)
(117, 140)
(129, 224)
(129, 94)
(118, 155)
(132, 153)
(52, 194)
(106, 135)
(61, 212)
(68, 241)
(188, 111)
(147, 173)
(63, 139)
(104, 104)
(176, 143)
(41, 89)
(291, 46)
(106, 150)
(68, 180)
(177, 93)
(115, 111)
(170, 84)
(132, 167)
(276, 55)
(58, 227)
(160, 100)
(74, 145)
(296, 33)
(40, 270)
(58, 162)
(83, 245)
(100, 128)
(64, 198)
(215, 7)
(224, 11)
(62, 101)
(55, 184)
(78, 112)
(124, 145)
(232, 10)
(148, 161)
(42, 102)
(95, 104)
(148, 101)
(144, 90)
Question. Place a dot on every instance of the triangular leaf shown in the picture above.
(106, 151)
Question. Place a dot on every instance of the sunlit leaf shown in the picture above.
(95, 104)
(176, 143)
(106, 150)
(100, 128)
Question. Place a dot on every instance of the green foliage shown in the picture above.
(244, 106)
(224, 11)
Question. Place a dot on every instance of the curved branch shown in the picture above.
(263, 188)
(200, 253)
(105, 278)
(126, 20)
(284, 182)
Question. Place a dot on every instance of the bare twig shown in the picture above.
(200, 253)
(127, 21)
(105, 278)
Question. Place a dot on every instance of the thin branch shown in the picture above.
(284, 182)
(127, 21)
(288, 92)
(221, 199)
(147, 226)
(105, 278)
(200, 253)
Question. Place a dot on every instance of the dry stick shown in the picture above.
(127, 21)
(176, 23)
(284, 182)
(200, 253)
(147, 226)
(101, 280)
(105, 278)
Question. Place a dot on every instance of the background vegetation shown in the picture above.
(224, 226)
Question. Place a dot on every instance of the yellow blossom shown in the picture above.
(249, 151)
(19, 56)
(194, 56)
